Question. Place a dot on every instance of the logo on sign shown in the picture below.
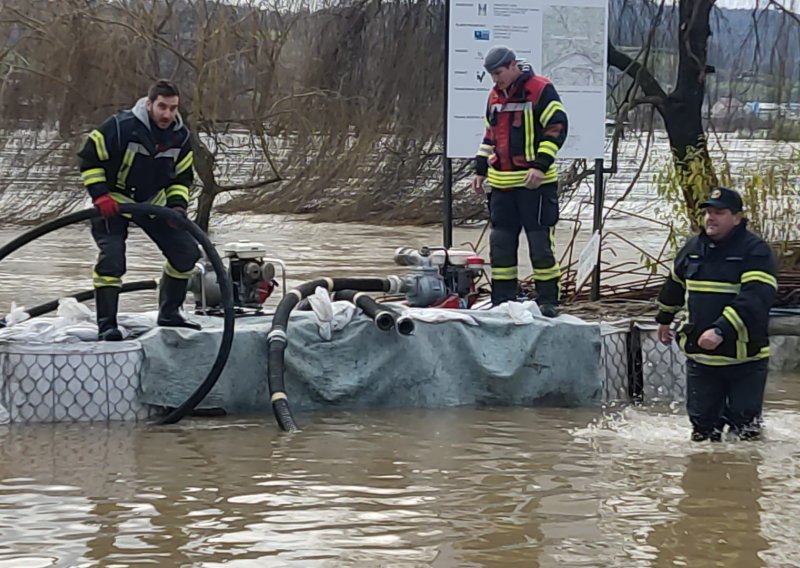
(482, 35)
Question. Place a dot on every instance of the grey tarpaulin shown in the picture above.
(548, 362)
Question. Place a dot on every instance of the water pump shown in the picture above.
(252, 275)
(444, 278)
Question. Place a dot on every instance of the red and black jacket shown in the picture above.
(526, 125)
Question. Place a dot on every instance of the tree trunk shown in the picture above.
(205, 201)
(204, 166)
(682, 110)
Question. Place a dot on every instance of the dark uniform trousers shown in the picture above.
(728, 394)
(178, 246)
(535, 211)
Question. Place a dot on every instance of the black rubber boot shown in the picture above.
(548, 297)
(549, 310)
(171, 294)
(106, 301)
(504, 291)
(715, 436)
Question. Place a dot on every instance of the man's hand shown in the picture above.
(709, 340)
(665, 334)
(534, 178)
(477, 184)
(106, 205)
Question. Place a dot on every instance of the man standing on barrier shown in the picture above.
(526, 125)
(141, 155)
(725, 278)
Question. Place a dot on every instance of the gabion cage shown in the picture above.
(614, 361)
(663, 366)
(70, 383)
(637, 367)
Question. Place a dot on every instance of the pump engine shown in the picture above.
(252, 276)
(443, 278)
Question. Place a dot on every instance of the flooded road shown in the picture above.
(456, 487)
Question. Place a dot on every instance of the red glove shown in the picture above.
(107, 206)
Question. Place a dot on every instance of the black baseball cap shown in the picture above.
(723, 198)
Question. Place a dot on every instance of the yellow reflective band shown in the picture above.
(99, 145)
(548, 148)
(721, 360)
(100, 281)
(178, 191)
(127, 163)
(95, 175)
(504, 273)
(507, 180)
(668, 309)
(485, 150)
(736, 321)
(742, 337)
(675, 277)
(509, 175)
(119, 198)
(550, 110)
(530, 134)
(173, 272)
(712, 287)
(159, 198)
(760, 276)
(184, 164)
(544, 274)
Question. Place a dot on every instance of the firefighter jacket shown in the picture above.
(526, 125)
(131, 159)
(729, 285)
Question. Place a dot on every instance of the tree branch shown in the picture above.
(640, 74)
(243, 186)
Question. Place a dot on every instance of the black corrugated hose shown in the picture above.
(385, 316)
(277, 339)
(226, 290)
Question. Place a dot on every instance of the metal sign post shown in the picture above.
(447, 163)
(597, 225)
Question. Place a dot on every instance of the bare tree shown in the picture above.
(681, 107)
(336, 111)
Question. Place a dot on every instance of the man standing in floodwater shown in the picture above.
(725, 278)
(526, 125)
(141, 155)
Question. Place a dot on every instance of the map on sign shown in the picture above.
(564, 40)
(574, 46)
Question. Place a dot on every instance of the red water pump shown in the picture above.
(441, 278)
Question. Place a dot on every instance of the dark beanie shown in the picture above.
(498, 56)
